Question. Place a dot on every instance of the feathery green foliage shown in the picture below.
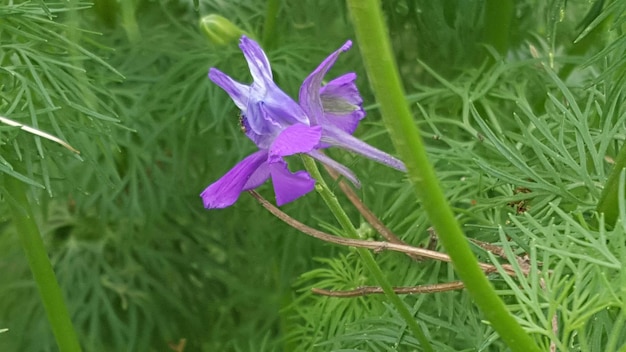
(523, 128)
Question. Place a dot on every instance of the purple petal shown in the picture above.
(310, 91)
(225, 191)
(289, 186)
(338, 138)
(271, 110)
(268, 106)
(342, 103)
(238, 92)
(294, 139)
(258, 177)
(257, 60)
(344, 171)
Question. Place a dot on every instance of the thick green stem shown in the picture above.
(498, 17)
(269, 28)
(609, 200)
(129, 20)
(40, 266)
(366, 256)
(385, 81)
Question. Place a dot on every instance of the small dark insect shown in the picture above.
(241, 122)
(521, 189)
(521, 206)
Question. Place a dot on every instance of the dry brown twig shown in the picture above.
(378, 225)
(394, 244)
(377, 246)
(368, 290)
(37, 132)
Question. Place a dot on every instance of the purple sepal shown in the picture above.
(225, 191)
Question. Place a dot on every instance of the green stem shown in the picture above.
(385, 81)
(498, 17)
(129, 20)
(40, 266)
(608, 203)
(269, 28)
(343, 219)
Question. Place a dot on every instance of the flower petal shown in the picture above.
(225, 191)
(342, 103)
(266, 107)
(258, 177)
(310, 91)
(338, 138)
(271, 110)
(269, 107)
(289, 186)
(257, 60)
(294, 139)
(238, 92)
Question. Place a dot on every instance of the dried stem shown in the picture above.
(369, 290)
(377, 246)
(39, 133)
(369, 216)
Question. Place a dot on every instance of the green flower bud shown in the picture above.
(220, 30)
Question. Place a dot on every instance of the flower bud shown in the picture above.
(219, 29)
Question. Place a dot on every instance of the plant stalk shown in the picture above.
(40, 266)
(375, 48)
(498, 17)
(269, 27)
(345, 222)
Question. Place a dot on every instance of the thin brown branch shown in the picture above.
(370, 290)
(499, 251)
(378, 225)
(376, 246)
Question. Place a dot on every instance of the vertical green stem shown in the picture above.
(384, 78)
(366, 256)
(40, 266)
(608, 203)
(498, 17)
(269, 28)
(129, 20)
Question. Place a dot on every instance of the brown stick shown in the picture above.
(368, 290)
(376, 246)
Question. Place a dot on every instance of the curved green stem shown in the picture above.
(384, 78)
(40, 266)
(366, 256)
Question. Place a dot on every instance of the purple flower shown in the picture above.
(326, 116)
